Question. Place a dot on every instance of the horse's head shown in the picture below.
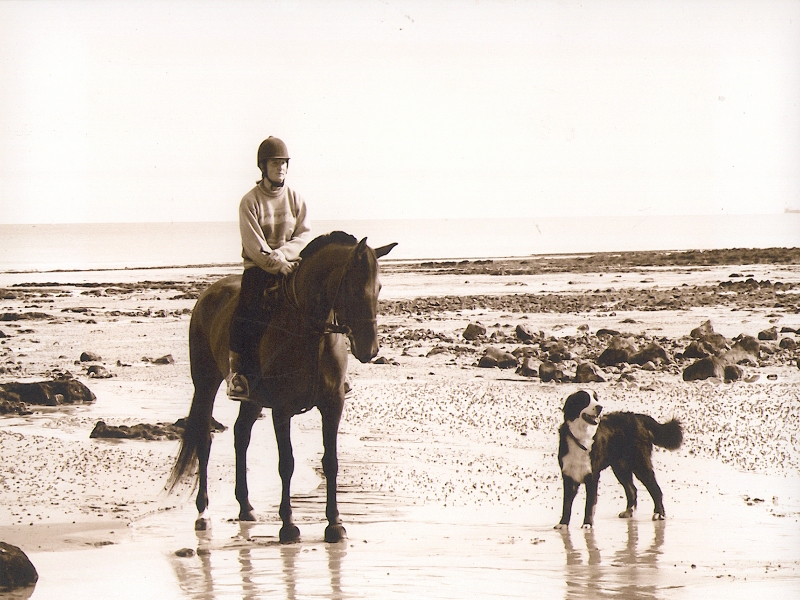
(340, 275)
(356, 304)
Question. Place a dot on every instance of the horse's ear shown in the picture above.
(384, 250)
(362, 246)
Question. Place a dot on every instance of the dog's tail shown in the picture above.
(668, 435)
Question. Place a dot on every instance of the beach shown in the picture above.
(449, 482)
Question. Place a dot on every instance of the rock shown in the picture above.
(90, 357)
(164, 360)
(557, 350)
(768, 334)
(159, 431)
(784, 329)
(98, 372)
(620, 350)
(648, 366)
(51, 393)
(495, 357)
(2, 334)
(606, 332)
(788, 343)
(772, 376)
(528, 368)
(704, 368)
(474, 331)
(651, 353)
(697, 349)
(550, 372)
(588, 373)
(10, 404)
(733, 372)
(704, 330)
(524, 333)
(215, 425)
(184, 553)
(16, 569)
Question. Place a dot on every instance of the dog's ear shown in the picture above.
(575, 404)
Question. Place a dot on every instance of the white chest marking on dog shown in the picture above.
(576, 463)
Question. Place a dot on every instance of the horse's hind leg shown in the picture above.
(199, 422)
(335, 531)
(248, 413)
(283, 435)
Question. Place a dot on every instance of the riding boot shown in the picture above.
(238, 387)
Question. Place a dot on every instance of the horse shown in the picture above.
(330, 298)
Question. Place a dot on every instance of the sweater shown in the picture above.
(272, 221)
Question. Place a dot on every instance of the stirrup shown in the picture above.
(238, 387)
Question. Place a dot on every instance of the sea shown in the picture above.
(101, 246)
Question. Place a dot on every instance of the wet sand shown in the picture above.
(449, 483)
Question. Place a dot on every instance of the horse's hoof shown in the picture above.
(247, 515)
(561, 526)
(335, 533)
(202, 524)
(626, 514)
(659, 516)
(586, 526)
(289, 534)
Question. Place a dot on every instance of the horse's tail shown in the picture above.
(193, 435)
(197, 432)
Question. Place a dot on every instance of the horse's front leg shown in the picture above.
(331, 416)
(248, 413)
(283, 434)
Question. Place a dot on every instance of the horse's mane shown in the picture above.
(334, 237)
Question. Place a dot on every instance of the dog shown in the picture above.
(622, 440)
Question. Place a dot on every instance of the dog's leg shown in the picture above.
(591, 482)
(625, 477)
(648, 478)
(570, 491)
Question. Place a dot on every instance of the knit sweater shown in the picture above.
(272, 221)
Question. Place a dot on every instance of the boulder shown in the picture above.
(98, 372)
(733, 372)
(16, 569)
(524, 333)
(495, 357)
(557, 351)
(588, 373)
(90, 357)
(697, 349)
(768, 334)
(651, 353)
(704, 330)
(550, 372)
(146, 431)
(528, 368)
(620, 350)
(705, 368)
(474, 331)
(788, 343)
(51, 393)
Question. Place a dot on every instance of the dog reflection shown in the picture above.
(588, 577)
(196, 575)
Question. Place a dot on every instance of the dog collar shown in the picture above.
(574, 439)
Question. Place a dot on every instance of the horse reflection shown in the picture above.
(587, 577)
(257, 575)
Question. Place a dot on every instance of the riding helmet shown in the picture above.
(271, 147)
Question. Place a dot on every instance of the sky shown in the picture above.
(120, 111)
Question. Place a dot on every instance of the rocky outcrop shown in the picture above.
(48, 393)
(16, 569)
(587, 372)
(145, 431)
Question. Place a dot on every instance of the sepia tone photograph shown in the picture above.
(399, 299)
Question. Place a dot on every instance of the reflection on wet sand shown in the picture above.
(213, 573)
(587, 576)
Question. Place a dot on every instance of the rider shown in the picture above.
(274, 227)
